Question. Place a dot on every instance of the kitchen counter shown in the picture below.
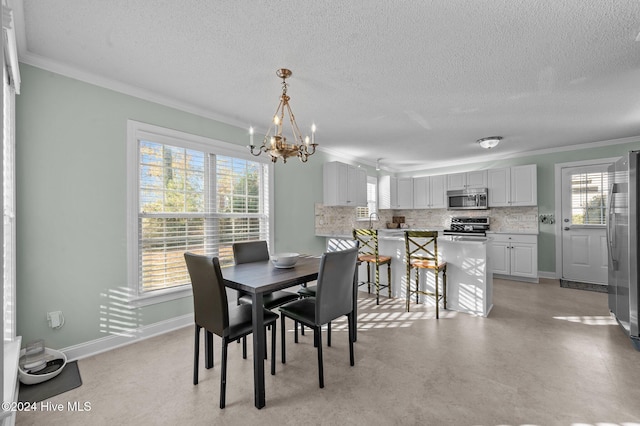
(469, 282)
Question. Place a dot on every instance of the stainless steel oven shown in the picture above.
(468, 226)
(467, 199)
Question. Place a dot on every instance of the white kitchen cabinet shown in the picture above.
(395, 193)
(344, 185)
(515, 255)
(467, 180)
(513, 186)
(429, 192)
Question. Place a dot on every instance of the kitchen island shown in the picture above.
(469, 280)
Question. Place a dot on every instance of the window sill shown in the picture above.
(161, 296)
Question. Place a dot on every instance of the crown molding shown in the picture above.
(522, 154)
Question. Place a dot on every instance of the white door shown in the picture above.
(584, 245)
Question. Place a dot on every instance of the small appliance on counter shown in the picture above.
(396, 222)
(468, 226)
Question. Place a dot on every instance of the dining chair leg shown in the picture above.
(223, 374)
(265, 344)
(301, 327)
(196, 357)
(273, 350)
(318, 333)
(282, 339)
(208, 341)
(244, 347)
(351, 330)
(295, 334)
(329, 333)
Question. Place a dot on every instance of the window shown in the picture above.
(589, 198)
(363, 213)
(190, 194)
(8, 208)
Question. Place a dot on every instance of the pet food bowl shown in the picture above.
(53, 363)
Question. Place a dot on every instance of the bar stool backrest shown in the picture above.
(421, 245)
(368, 240)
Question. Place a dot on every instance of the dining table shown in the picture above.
(260, 278)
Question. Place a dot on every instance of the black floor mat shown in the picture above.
(600, 288)
(68, 379)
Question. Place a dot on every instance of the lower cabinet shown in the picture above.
(514, 255)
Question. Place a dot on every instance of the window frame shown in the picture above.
(138, 130)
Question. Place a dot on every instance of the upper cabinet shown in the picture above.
(395, 193)
(476, 179)
(430, 192)
(344, 185)
(513, 186)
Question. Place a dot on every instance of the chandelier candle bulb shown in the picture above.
(251, 136)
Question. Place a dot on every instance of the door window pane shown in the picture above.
(589, 198)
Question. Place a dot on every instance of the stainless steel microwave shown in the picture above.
(468, 199)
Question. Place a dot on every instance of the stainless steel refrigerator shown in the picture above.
(622, 239)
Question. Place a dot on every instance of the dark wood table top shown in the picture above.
(263, 277)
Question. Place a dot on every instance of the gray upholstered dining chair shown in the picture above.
(334, 298)
(213, 313)
(333, 244)
(257, 251)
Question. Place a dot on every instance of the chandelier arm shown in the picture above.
(297, 134)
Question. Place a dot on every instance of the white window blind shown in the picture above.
(589, 198)
(197, 201)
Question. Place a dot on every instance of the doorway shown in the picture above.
(581, 229)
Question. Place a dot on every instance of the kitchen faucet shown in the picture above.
(371, 217)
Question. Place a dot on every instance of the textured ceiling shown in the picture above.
(412, 82)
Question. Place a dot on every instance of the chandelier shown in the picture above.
(276, 144)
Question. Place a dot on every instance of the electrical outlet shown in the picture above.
(56, 320)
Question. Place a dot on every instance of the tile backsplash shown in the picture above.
(330, 220)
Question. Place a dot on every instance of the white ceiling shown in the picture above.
(412, 82)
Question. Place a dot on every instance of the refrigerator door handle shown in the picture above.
(611, 232)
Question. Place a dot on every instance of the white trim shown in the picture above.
(94, 347)
(10, 46)
(522, 154)
(558, 202)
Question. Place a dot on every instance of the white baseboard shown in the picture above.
(108, 343)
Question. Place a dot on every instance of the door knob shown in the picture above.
(566, 228)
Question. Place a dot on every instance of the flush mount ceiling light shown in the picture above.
(276, 145)
(490, 142)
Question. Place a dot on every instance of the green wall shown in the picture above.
(71, 202)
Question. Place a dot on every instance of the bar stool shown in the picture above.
(422, 253)
(368, 239)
